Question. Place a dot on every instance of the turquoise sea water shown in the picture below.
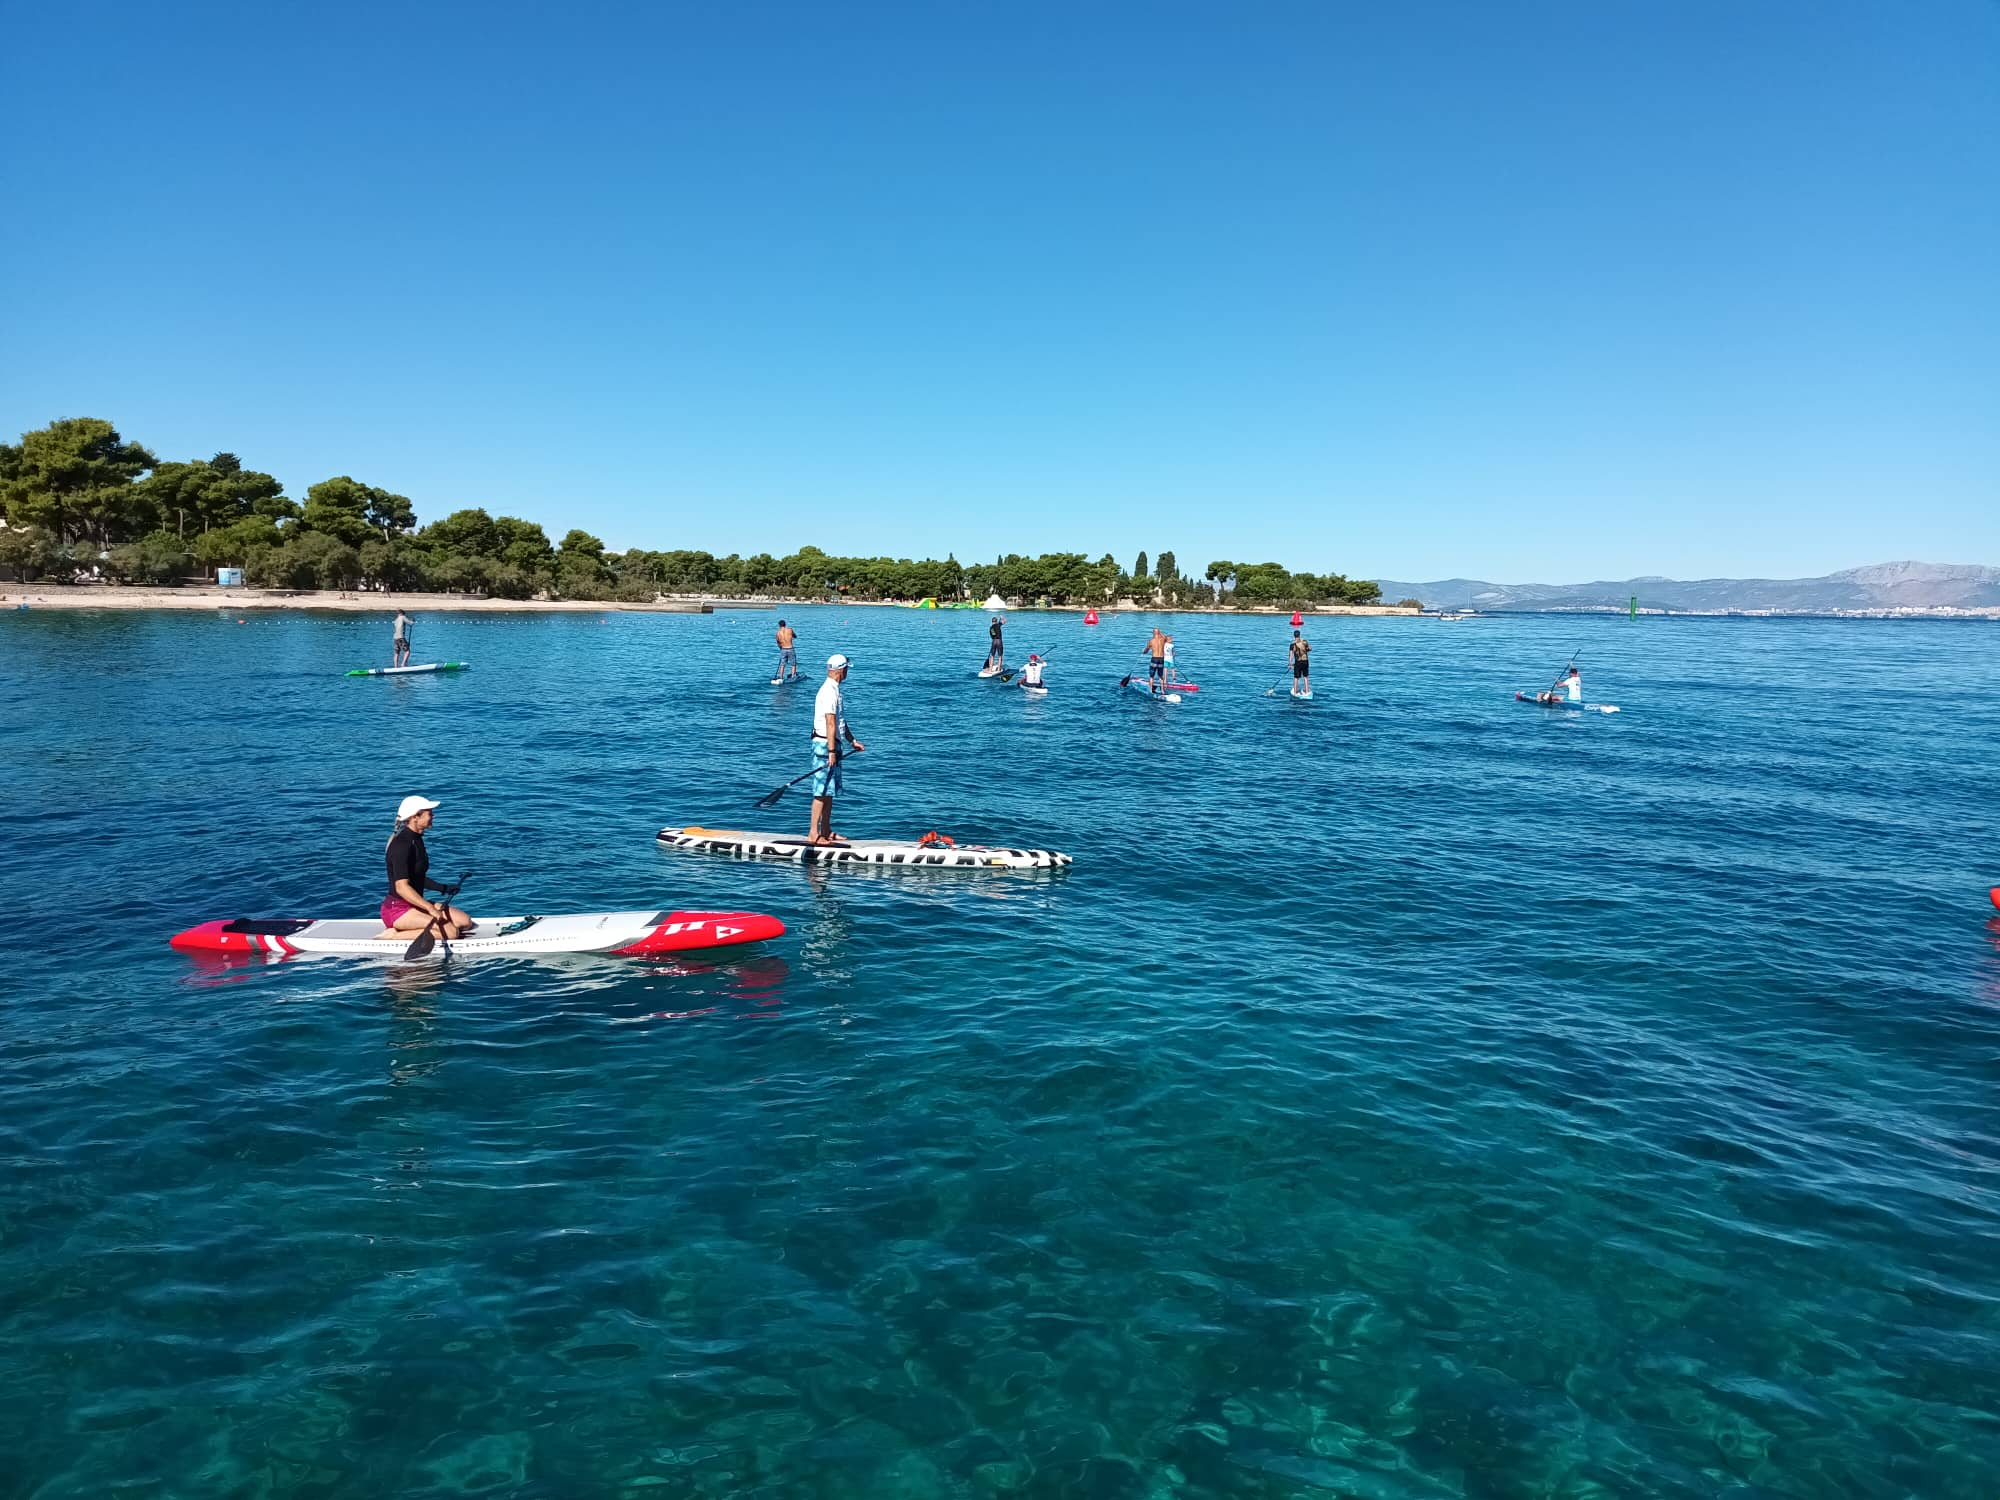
(1411, 1094)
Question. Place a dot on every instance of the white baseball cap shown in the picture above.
(412, 805)
(836, 661)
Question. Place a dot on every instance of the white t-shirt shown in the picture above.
(827, 701)
(1031, 674)
(1575, 686)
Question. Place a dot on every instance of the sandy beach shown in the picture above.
(114, 596)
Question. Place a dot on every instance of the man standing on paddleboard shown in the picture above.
(788, 659)
(996, 658)
(402, 639)
(1156, 650)
(829, 729)
(1302, 683)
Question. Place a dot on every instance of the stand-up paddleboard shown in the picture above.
(991, 671)
(1184, 687)
(1138, 685)
(1034, 692)
(429, 666)
(1586, 708)
(1305, 697)
(620, 932)
(742, 845)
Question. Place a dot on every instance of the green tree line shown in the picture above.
(80, 501)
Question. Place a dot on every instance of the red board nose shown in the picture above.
(210, 937)
(685, 930)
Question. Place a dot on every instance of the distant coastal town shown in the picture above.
(80, 504)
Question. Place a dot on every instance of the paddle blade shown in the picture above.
(772, 799)
(426, 940)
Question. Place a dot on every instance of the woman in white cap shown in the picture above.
(407, 909)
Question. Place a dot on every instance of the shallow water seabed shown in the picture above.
(1406, 1094)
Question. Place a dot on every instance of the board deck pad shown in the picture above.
(743, 844)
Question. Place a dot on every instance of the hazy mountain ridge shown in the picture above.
(1895, 585)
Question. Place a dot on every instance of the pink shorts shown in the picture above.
(394, 908)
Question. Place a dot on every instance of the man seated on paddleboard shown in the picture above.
(829, 729)
(408, 910)
(1031, 674)
(1568, 688)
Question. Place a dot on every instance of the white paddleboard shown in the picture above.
(429, 666)
(746, 845)
(626, 932)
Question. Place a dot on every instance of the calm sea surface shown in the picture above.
(1409, 1094)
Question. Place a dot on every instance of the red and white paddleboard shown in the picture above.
(620, 932)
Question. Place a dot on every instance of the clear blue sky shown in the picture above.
(1523, 291)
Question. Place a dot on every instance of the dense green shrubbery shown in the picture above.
(78, 498)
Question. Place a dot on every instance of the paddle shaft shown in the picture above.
(770, 798)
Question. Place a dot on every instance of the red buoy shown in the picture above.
(1297, 618)
(1090, 617)
(1995, 894)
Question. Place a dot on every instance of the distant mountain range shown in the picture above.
(1885, 586)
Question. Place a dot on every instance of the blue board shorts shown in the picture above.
(826, 772)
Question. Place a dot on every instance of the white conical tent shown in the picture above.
(994, 601)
